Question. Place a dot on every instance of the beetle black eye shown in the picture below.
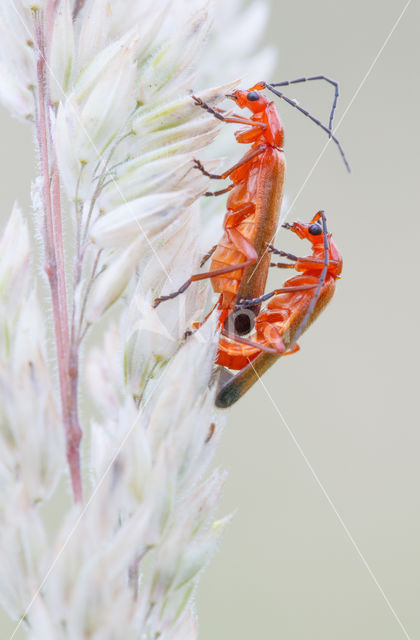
(252, 96)
(315, 229)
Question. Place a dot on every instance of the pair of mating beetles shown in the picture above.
(253, 338)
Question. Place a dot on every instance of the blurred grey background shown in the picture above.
(297, 563)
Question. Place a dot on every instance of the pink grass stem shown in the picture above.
(55, 269)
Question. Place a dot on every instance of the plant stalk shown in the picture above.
(67, 362)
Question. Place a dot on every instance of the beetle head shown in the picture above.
(312, 231)
(253, 99)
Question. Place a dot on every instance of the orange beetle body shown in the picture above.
(253, 205)
(257, 194)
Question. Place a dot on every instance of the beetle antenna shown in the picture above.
(286, 83)
(295, 104)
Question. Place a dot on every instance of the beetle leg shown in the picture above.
(208, 255)
(243, 245)
(247, 157)
(272, 249)
(282, 265)
(235, 117)
(203, 276)
(267, 296)
(306, 262)
(219, 193)
(250, 343)
(234, 217)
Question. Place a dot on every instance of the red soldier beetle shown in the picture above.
(290, 311)
(240, 262)
(253, 207)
